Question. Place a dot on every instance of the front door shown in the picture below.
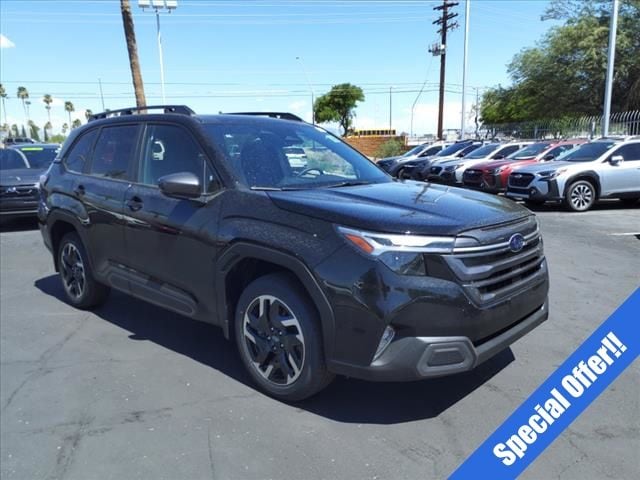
(625, 176)
(171, 241)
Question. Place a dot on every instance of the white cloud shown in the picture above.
(5, 42)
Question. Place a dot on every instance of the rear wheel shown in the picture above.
(80, 287)
(581, 196)
(279, 339)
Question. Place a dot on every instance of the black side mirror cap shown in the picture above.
(180, 185)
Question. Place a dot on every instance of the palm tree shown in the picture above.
(132, 47)
(23, 94)
(3, 96)
(88, 113)
(76, 123)
(68, 107)
(48, 100)
(47, 129)
(14, 130)
(65, 127)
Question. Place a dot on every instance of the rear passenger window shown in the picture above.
(169, 149)
(79, 154)
(509, 150)
(114, 151)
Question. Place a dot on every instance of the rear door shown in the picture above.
(625, 176)
(102, 189)
(171, 242)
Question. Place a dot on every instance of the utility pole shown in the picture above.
(101, 94)
(610, 64)
(445, 25)
(390, 109)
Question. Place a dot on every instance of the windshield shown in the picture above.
(530, 151)
(484, 151)
(11, 159)
(414, 151)
(451, 149)
(262, 162)
(39, 157)
(588, 152)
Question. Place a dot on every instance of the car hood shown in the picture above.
(390, 159)
(444, 161)
(545, 166)
(401, 207)
(20, 176)
(501, 163)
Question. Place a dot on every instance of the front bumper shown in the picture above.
(537, 190)
(415, 358)
(18, 207)
(487, 182)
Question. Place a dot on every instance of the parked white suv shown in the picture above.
(604, 168)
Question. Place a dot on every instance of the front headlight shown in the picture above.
(451, 168)
(496, 171)
(551, 174)
(402, 254)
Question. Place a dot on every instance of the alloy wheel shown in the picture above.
(274, 340)
(72, 271)
(581, 196)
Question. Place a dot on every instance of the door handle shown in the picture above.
(134, 204)
(79, 190)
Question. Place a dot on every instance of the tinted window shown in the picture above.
(508, 150)
(484, 151)
(431, 151)
(630, 152)
(451, 149)
(588, 152)
(263, 162)
(530, 151)
(169, 149)
(414, 151)
(10, 159)
(39, 157)
(114, 151)
(80, 152)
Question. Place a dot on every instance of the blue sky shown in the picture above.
(241, 55)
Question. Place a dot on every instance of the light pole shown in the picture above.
(304, 70)
(610, 64)
(158, 5)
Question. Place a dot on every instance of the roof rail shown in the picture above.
(180, 109)
(281, 115)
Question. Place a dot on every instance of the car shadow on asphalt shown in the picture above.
(18, 225)
(345, 400)
(603, 205)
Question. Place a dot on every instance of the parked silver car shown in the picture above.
(604, 168)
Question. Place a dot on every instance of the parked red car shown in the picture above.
(492, 176)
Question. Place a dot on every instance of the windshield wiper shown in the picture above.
(347, 184)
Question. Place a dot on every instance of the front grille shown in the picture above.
(520, 179)
(473, 177)
(521, 191)
(491, 273)
(436, 170)
(18, 191)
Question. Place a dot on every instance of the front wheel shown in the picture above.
(278, 335)
(581, 196)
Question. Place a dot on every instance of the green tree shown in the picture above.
(34, 131)
(14, 130)
(88, 113)
(68, 107)
(338, 105)
(76, 123)
(3, 97)
(23, 132)
(564, 74)
(390, 148)
(48, 100)
(65, 128)
(57, 138)
(23, 94)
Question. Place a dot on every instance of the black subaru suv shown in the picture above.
(334, 269)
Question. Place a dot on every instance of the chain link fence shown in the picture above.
(622, 123)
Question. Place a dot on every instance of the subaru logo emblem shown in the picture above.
(516, 243)
(517, 175)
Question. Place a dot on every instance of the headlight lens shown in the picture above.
(401, 253)
(451, 168)
(496, 171)
(551, 174)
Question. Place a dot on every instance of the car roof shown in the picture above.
(34, 145)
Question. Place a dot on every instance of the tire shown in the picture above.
(81, 289)
(580, 196)
(294, 369)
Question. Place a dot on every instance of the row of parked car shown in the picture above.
(576, 172)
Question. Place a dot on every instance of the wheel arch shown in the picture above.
(243, 262)
(59, 224)
(589, 176)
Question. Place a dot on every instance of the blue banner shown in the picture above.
(560, 399)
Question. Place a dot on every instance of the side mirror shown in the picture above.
(180, 185)
(616, 159)
(548, 157)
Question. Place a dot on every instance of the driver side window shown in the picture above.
(630, 152)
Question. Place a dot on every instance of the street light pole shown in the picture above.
(464, 66)
(304, 70)
(158, 5)
(610, 64)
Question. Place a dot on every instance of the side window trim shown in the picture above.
(89, 155)
(137, 175)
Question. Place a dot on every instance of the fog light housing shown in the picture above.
(385, 340)
(533, 192)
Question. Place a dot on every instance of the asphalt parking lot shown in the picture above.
(131, 391)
